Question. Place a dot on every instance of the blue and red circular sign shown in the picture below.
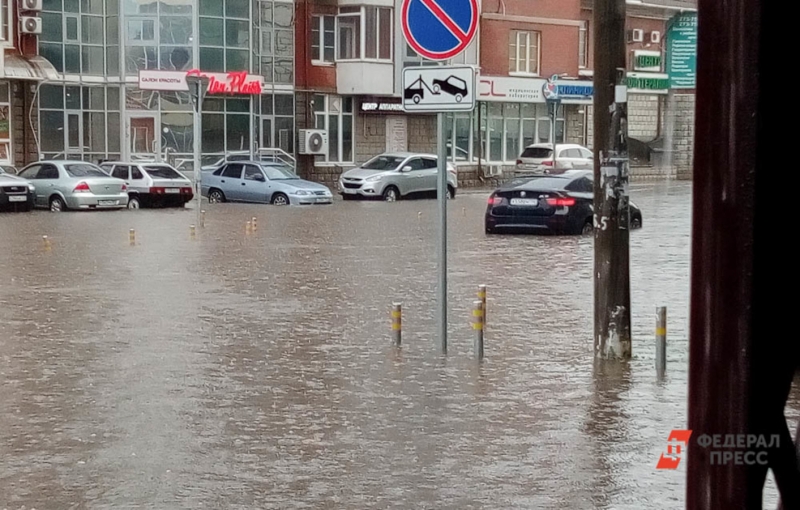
(440, 29)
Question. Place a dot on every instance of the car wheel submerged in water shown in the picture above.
(215, 196)
(391, 194)
(57, 204)
(280, 199)
(133, 202)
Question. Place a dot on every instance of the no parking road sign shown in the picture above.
(440, 29)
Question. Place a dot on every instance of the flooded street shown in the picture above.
(257, 371)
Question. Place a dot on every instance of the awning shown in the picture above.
(32, 67)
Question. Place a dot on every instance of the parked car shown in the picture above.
(151, 184)
(62, 185)
(538, 158)
(8, 169)
(559, 204)
(262, 182)
(392, 176)
(16, 194)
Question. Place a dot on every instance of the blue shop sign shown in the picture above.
(575, 91)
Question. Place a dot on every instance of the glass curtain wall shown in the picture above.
(98, 43)
(497, 132)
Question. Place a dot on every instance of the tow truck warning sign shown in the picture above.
(438, 89)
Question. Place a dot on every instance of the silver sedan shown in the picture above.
(262, 182)
(62, 185)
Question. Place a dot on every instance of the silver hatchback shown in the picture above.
(62, 185)
(392, 176)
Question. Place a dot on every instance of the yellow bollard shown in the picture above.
(192, 232)
(132, 237)
(202, 219)
(248, 228)
(478, 325)
(46, 241)
(397, 323)
(464, 212)
(255, 223)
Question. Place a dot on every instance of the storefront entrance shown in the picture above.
(142, 133)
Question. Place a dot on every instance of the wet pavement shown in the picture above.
(257, 371)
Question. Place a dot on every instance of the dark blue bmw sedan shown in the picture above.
(549, 204)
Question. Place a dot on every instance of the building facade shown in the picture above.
(118, 90)
(105, 79)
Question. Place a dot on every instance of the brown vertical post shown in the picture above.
(612, 300)
(739, 372)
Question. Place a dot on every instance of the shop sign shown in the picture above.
(382, 106)
(650, 83)
(682, 50)
(239, 82)
(530, 90)
(649, 61)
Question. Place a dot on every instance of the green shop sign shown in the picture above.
(644, 60)
(682, 50)
(653, 83)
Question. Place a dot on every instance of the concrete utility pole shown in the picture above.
(612, 299)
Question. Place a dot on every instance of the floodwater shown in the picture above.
(257, 371)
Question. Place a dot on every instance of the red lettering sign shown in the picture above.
(235, 83)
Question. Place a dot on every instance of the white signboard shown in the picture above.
(529, 90)
(219, 83)
(438, 89)
(396, 133)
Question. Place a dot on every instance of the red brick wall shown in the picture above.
(561, 9)
(308, 76)
(559, 47)
(648, 25)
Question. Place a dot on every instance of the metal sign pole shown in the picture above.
(198, 136)
(442, 203)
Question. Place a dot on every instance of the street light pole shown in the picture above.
(612, 300)
(197, 88)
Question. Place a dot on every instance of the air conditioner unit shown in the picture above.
(655, 37)
(30, 5)
(492, 170)
(30, 25)
(636, 35)
(313, 141)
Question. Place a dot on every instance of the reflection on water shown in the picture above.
(256, 371)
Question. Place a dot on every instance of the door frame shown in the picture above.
(128, 153)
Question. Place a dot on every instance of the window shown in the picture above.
(233, 171)
(74, 37)
(415, 164)
(78, 122)
(273, 43)
(5, 123)
(31, 172)
(48, 172)
(253, 173)
(428, 163)
(83, 170)
(523, 52)
(161, 172)
(335, 114)
(583, 45)
(120, 172)
(136, 173)
(225, 40)
(582, 185)
(323, 39)
(364, 33)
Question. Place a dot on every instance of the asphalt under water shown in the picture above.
(257, 371)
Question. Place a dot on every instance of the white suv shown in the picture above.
(538, 158)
